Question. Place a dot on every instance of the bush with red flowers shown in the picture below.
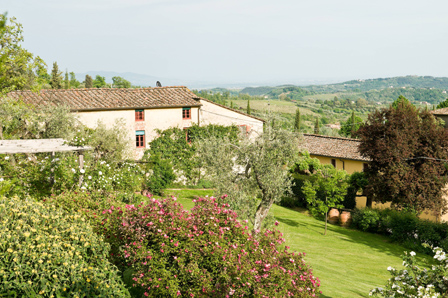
(207, 252)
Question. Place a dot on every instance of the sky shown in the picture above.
(254, 41)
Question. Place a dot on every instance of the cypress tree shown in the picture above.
(316, 126)
(248, 107)
(297, 120)
(66, 81)
(88, 83)
(352, 129)
(231, 104)
(56, 77)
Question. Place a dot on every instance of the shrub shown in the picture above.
(91, 204)
(404, 227)
(207, 252)
(366, 219)
(45, 251)
(162, 174)
(416, 282)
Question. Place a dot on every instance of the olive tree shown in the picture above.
(255, 167)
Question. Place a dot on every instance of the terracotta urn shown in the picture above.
(345, 218)
(333, 216)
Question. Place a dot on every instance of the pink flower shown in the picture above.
(276, 223)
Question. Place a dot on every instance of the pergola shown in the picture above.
(42, 146)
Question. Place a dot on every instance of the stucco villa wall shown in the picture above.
(166, 118)
(153, 119)
(211, 113)
(444, 118)
(350, 166)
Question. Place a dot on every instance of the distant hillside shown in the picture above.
(382, 83)
(257, 91)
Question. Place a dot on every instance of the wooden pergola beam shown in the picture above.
(38, 146)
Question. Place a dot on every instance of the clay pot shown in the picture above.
(333, 216)
(345, 218)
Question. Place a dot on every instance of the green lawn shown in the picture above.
(349, 263)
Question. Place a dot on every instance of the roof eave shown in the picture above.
(136, 108)
(340, 157)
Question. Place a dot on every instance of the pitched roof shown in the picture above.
(443, 111)
(111, 98)
(233, 110)
(332, 147)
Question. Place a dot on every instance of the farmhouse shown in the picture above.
(143, 110)
(343, 154)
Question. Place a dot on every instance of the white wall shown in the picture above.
(153, 119)
(211, 113)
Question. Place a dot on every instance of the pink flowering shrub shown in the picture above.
(206, 252)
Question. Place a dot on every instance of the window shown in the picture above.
(139, 115)
(140, 139)
(364, 167)
(186, 113)
(333, 162)
(243, 130)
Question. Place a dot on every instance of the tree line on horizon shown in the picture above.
(22, 70)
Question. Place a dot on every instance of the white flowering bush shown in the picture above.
(47, 252)
(414, 281)
(41, 175)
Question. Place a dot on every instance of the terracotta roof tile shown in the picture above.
(332, 147)
(443, 111)
(111, 98)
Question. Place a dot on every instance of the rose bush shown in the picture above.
(167, 251)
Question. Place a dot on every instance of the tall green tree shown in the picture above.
(73, 81)
(443, 104)
(351, 126)
(316, 126)
(401, 101)
(297, 120)
(119, 82)
(88, 82)
(99, 82)
(56, 77)
(18, 67)
(408, 149)
(252, 168)
(325, 190)
(66, 81)
(248, 107)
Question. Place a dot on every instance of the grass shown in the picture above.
(348, 262)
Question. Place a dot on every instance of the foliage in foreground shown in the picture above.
(46, 252)
(207, 252)
(417, 282)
